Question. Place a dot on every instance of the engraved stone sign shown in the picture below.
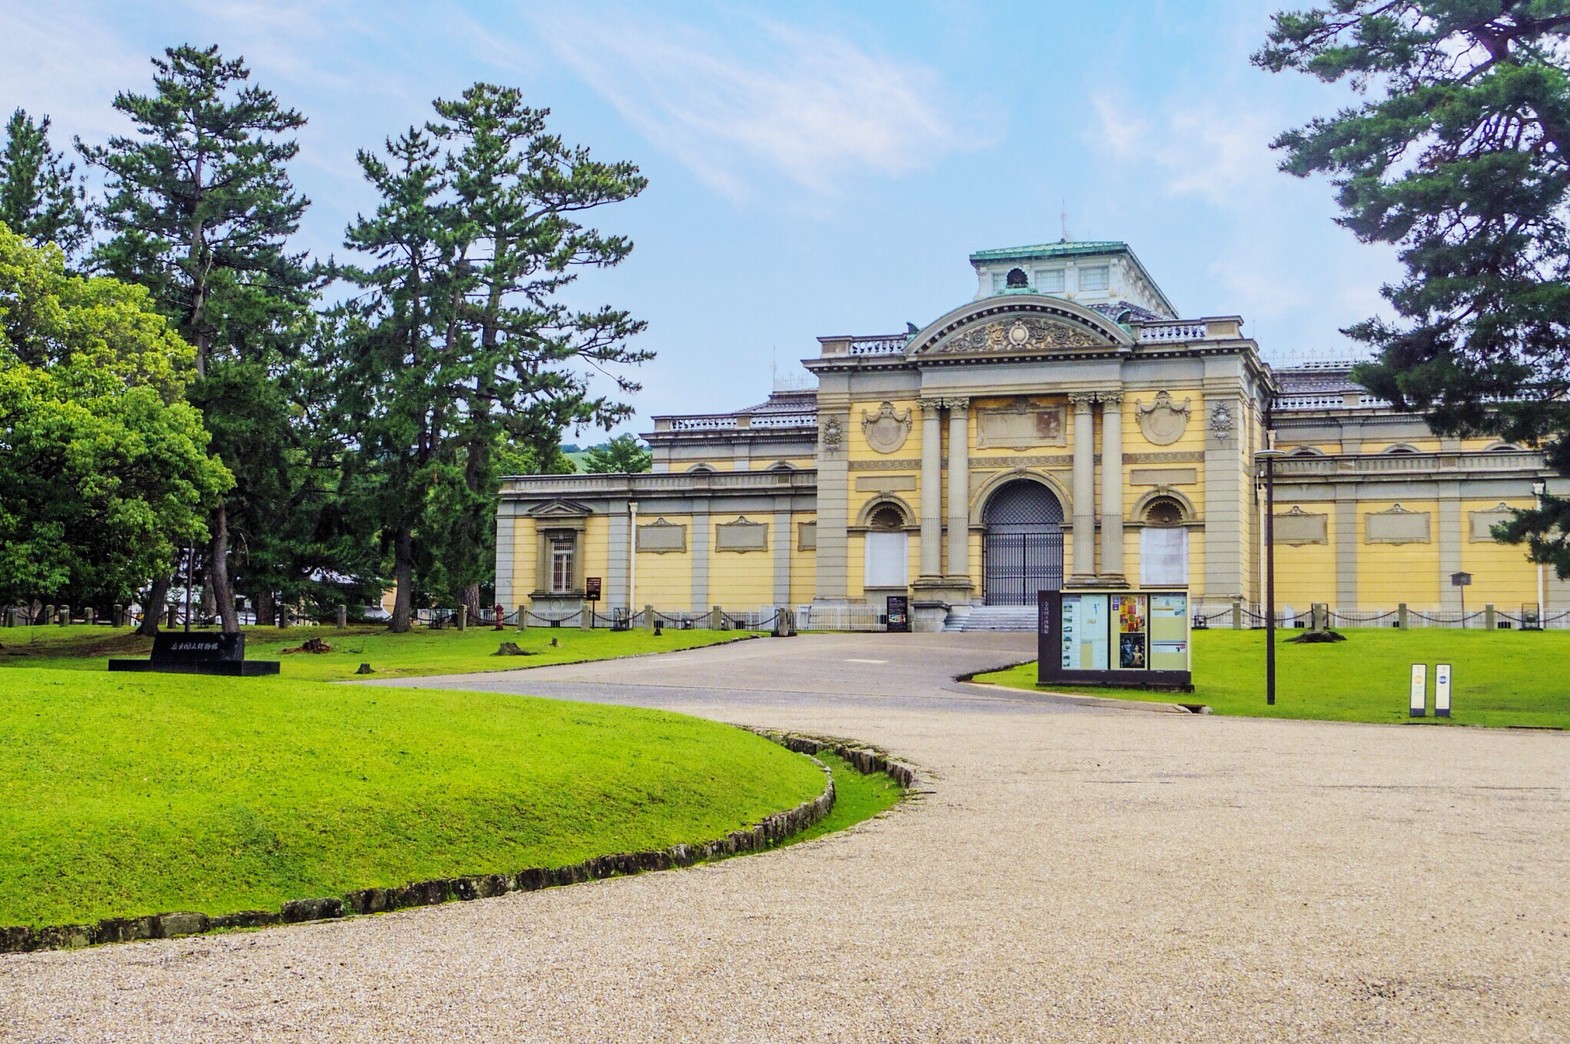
(1299, 527)
(741, 535)
(662, 537)
(1396, 525)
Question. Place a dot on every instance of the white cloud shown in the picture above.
(814, 107)
(1200, 147)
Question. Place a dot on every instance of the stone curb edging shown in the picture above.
(866, 760)
(770, 830)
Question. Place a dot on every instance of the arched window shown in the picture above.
(700, 469)
(1400, 450)
(1163, 543)
(887, 557)
(1017, 279)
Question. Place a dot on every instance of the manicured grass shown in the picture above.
(418, 653)
(1500, 678)
(856, 797)
(135, 794)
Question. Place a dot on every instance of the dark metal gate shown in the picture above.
(1023, 544)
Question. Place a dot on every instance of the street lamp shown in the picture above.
(1539, 490)
(1268, 459)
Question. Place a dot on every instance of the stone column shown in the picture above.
(1111, 484)
(1084, 486)
(959, 487)
(931, 490)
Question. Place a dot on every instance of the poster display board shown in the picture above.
(1132, 639)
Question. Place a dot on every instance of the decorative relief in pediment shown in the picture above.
(1162, 422)
(886, 429)
(1018, 335)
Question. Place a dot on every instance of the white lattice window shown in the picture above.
(1049, 280)
(1093, 277)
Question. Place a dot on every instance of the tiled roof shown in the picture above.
(1127, 312)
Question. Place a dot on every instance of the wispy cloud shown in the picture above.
(760, 96)
(1198, 147)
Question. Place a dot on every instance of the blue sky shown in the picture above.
(815, 168)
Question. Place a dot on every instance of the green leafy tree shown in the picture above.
(41, 196)
(462, 354)
(199, 207)
(1457, 151)
(622, 455)
(105, 468)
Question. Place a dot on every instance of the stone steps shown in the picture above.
(993, 618)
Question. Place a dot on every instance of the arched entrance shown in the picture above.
(1024, 543)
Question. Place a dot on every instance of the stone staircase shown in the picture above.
(993, 618)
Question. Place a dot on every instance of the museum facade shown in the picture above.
(1064, 428)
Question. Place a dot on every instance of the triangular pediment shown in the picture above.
(561, 509)
(1019, 325)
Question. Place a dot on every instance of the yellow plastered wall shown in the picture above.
(664, 579)
(596, 557)
(1306, 573)
(803, 564)
(1388, 574)
(1501, 573)
(765, 463)
(856, 445)
(524, 557)
(741, 580)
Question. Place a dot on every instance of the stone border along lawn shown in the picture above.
(775, 830)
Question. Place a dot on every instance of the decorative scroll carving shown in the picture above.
(1170, 457)
(1082, 398)
(741, 535)
(1018, 335)
(1396, 525)
(897, 464)
(1022, 425)
(1483, 522)
(1061, 460)
(1221, 421)
(661, 537)
(886, 430)
(1298, 527)
(955, 402)
(1162, 422)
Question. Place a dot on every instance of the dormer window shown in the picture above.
(1049, 280)
(1017, 279)
(1093, 277)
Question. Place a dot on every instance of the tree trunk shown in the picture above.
(469, 595)
(403, 577)
(265, 607)
(153, 611)
(222, 586)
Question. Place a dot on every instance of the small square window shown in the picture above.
(997, 282)
(1049, 280)
(1093, 277)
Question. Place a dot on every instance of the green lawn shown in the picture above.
(1500, 678)
(135, 794)
(856, 797)
(420, 652)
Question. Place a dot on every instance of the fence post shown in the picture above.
(716, 618)
(523, 614)
(169, 617)
(1488, 616)
(648, 617)
(1237, 614)
(463, 617)
(586, 618)
(64, 617)
(343, 616)
(1401, 615)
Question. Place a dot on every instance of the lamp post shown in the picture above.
(1268, 459)
(1539, 489)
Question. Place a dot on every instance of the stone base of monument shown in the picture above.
(202, 652)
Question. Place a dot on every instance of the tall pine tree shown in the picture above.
(41, 197)
(199, 207)
(1458, 153)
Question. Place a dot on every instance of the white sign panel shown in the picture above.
(1419, 689)
(1441, 690)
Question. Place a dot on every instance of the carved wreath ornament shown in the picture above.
(886, 429)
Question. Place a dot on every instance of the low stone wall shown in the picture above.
(770, 831)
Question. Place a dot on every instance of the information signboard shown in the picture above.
(1126, 638)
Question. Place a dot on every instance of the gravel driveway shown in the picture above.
(1073, 871)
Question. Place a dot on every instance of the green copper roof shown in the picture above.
(1049, 250)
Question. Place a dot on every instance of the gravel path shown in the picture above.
(1073, 872)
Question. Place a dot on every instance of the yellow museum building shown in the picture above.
(1065, 427)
